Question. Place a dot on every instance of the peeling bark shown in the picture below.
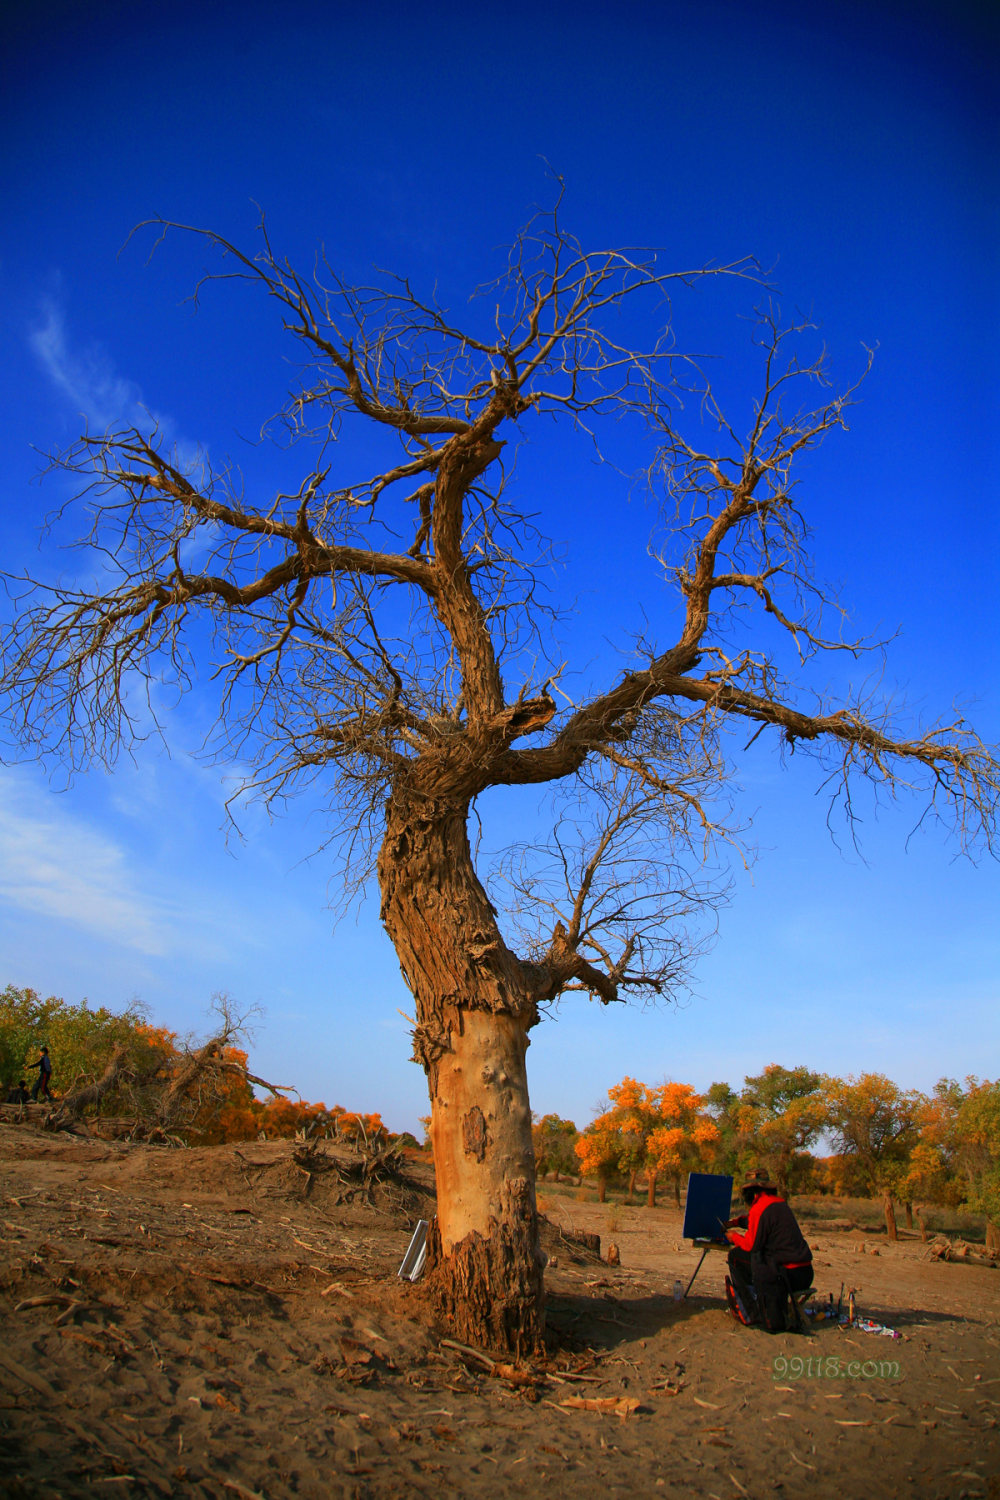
(474, 1010)
(475, 1135)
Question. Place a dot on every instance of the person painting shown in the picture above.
(769, 1257)
(41, 1083)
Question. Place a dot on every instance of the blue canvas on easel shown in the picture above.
(706, 1207)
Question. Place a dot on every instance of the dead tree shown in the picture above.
(163, 1100)
(198, 1074)
(74, 1104)
(385, 631)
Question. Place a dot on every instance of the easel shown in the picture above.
(707, 1246)
(706, 1210)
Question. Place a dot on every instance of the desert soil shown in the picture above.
(223, 1323)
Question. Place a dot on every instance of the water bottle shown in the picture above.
(678, 1291)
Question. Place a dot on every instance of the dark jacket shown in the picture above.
(773, 1233)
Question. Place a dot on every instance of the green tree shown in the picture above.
(722, 1104)
(780, 1114)
(878, 1125)
(80, 1039)
(554, 1142)
(977, 1153)
(116, 1063)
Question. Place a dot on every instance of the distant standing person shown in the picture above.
(41, 1083)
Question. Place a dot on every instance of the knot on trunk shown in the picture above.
(526, 716)
(430, 1042)
(475, 1136)
(483, 948)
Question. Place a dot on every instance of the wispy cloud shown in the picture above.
(86, 378)
(55, 865)
(89, 381)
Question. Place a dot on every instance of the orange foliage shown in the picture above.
(681, 1145)
(282, 1119)
(660, 1129)
(226, 1111)
(599, 1148)
(360, 1128)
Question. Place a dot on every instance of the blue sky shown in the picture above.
(853, 151)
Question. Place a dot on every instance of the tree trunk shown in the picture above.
(474, 1011)
(602, 1190)
(992, 1238)
(190, 1069)
(677, 1191)
(923, 1226)
(73, 1105)
(651, 1190)
(890, 1216)
(909, 1214)
(631, 1184)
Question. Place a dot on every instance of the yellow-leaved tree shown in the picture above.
(874, 1122)
(661, 1130)
(779, 1115)
(599, 1151)
(683, 1142)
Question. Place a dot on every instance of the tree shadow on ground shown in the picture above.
(608, 1323)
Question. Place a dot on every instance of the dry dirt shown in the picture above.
(215, 1323)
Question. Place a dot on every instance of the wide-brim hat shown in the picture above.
(760, 1179)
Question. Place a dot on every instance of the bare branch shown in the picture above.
(379, 626)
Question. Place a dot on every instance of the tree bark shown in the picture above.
(74, 1104)
(908, 1208)
(602, 1190)
(651, 1190)
(190, 1069)
(677, 1191)
(474, 1010)
(890, 1216)
(992, 1238)
(631, 1184)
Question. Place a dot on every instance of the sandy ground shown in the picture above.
(216, 1323)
